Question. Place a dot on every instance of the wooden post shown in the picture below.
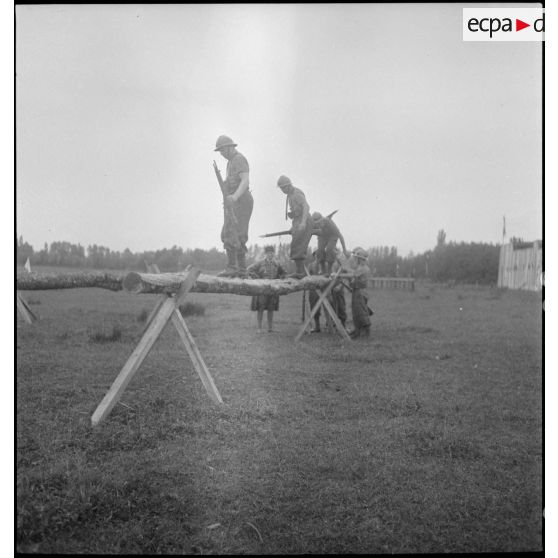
(166, 310)
(322, 301)
(24, 309)
(190, 345)
(136, 358)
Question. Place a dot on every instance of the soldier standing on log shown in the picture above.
(301, 230)
(328, 236)
(239, 199)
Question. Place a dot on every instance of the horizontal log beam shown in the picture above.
(47, 281)
(148, 283)
(145, 283)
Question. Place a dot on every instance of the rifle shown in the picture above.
(230, 232)
(281, 233)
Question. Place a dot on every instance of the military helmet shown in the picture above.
(269, 248)
(317, 216)
(360, 253)
(284, 181)
(224, 141)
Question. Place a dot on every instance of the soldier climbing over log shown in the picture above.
(328, 235)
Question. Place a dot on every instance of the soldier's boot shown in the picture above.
(328, 271)
(355, 333)
(231, 269)
(241, 260)
(300, 271)
(365, 331)
(322, 270)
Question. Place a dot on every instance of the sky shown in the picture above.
(379, 111)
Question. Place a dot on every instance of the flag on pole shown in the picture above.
(27, 266)
(504, 229)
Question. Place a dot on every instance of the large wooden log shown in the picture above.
(169, 283)
(145, 283)
(46, 281)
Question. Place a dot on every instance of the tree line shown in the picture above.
(458, 262)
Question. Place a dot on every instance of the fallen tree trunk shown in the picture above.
(46, 281)
(147, 283)
(139, 283)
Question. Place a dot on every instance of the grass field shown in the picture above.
(425, 438)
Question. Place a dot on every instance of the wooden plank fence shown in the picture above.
(391, 283)
(521, 266)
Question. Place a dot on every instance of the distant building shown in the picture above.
(521, 266)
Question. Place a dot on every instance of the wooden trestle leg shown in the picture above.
(166, 310)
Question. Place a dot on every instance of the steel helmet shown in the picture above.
(360, 253)
(269, 248)
(284, 181)
(224, 141)
(317, 216)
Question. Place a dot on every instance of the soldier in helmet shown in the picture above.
(301, 229)
(328, 236)
(358, 276)
(240, 199)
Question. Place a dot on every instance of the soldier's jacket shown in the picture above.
(328, 229)
(237, 165)
(297, 201)
(360, 277)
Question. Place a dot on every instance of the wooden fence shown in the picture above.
(521, 266)
(391, 283)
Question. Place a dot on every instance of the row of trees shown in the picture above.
(461, 262)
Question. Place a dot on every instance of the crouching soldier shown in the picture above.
(267, 268)
(358, 278)
(328, 235)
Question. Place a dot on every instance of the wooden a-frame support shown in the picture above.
(24, 309)
(324, 302)
(167, 309)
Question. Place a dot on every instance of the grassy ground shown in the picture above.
(425, 438)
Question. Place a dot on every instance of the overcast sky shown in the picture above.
(379, 111)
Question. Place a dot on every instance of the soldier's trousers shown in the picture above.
(243, 211)
(359, 306)
(300, 239)
(326, 249)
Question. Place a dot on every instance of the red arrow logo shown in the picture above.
(519, 25)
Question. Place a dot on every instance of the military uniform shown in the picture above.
(300, 239)
(359, 302)
(327, 240)
(242, 207)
